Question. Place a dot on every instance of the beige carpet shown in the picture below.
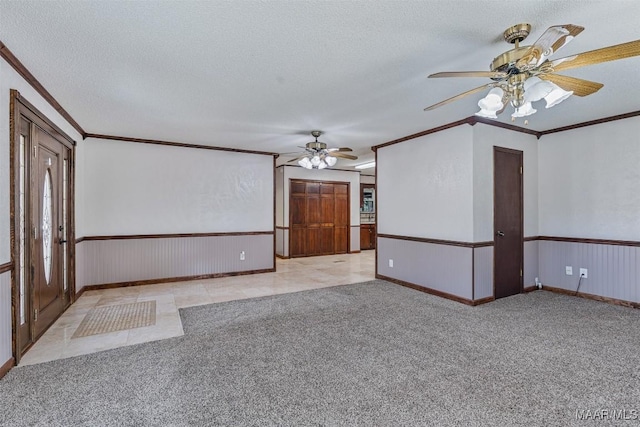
(112, 318)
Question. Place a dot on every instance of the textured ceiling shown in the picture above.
(260, 75)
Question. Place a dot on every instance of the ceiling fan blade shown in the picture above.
(610, 53)
(342, 155)
(489, 74)
(462, 95)
(579, 87)
(339, 149)
(549, 42)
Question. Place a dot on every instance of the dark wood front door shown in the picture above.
(319, 218)
(42, 218)
(42, 215)
(507, 222)
(49, 296)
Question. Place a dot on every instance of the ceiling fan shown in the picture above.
(318, 156)
(524, 74)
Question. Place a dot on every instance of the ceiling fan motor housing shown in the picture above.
(517, 33)
(506, 62)
(316, 146)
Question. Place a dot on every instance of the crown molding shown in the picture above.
(472, 120)
(175, 144)
(591, 123)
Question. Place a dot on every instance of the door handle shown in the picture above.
(500, 233)
(62, 241)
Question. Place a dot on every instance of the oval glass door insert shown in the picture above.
(47, 241)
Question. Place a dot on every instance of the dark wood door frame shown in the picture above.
(27, 119)
(508, 222)
(292, 213)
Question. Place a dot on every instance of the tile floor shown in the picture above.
(291, 275)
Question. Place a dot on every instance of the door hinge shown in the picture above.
(520, 272)
(520, 170)
(36, 315)
(35, 151)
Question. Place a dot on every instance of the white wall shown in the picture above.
(133, 188)
(9, 79)
(425, 186)
(589, 182)
(485, 137)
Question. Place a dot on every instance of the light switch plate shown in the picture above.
(568, 270)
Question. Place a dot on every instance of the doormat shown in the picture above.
(113, 318)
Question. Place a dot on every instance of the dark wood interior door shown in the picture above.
(319, 218)
(507, 222)
(297, 218)
(313, 225)
(47, 202)
(327, 219)
(341, 219)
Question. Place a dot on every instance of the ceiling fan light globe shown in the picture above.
(322, 165)
(490, 104)
(495, 96)
(305, 163)
(488, 114)
(331, 161)
(556, 96)
(525, 110)
(315, 160)
(536, 89)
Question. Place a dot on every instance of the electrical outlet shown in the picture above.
(242, 256)
(584, 273)
(568, 270)
(391, 263)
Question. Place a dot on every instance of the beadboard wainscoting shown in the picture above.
(443, 268)
(282, 242)
(354, 242)
(462, 271)
(5, 318)
(482, 272)
(613, 267)
(131, 259)
(531, 262)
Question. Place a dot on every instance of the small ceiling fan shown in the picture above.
(318, 156)
(524, 74)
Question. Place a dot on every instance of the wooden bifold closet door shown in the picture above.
(319, 218)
